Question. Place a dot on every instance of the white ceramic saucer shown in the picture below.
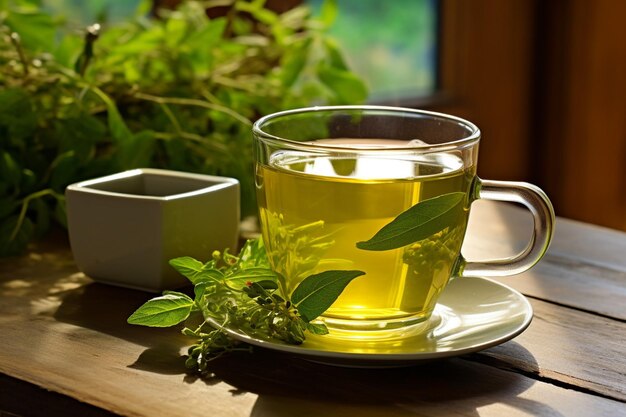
(472, 314)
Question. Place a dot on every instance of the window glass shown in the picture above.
(391, 44)
(86, 12)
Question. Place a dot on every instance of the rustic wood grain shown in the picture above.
(145, 378)
(486, 52)
(584, 268)
(569, 347)
(19, 398)
(545, 83)
(582, 135)
(66, 334)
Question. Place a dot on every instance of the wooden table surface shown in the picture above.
(65, 347)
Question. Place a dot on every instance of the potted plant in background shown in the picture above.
(178, 90)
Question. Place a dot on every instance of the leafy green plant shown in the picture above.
(177, 91)
(244, 293)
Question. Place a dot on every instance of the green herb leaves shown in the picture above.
(242, 292)
(194, 270)
(179, 93)
(188, 267)
(165, 311)
(317, 292)
(418, 222)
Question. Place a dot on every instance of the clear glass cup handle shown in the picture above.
(535, 200)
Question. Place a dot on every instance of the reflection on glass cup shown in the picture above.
(329, 177)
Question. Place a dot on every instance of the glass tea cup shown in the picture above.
(330, 177)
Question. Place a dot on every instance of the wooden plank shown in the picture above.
(19, 398)
(133, 380)
(584, 268)
(577, 284)
(486, 52)
(568, 347)
(68, 335)
(581, 137)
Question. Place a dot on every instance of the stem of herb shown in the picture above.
(196, 103)
(172, 118)
(25, 203)
(93, 31)
(17, 44)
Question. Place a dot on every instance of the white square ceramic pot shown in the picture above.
(124, 228)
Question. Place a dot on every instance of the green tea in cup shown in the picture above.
(328, 178)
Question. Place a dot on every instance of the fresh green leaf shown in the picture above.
(335, 58)
(317, 328)
(277, 298)
(253, 273)
(317, 292)
(144, 8)
(131, 72)
(137, 151)
(347, 87)
(259, 291)
(17, 115)
(78, 135)
(200, 45)
(28, 181)
(200, 289)
(210, 275)
(37, 30)
(117, 126)
(165, 311)
(195, 270)
(257, 10)
(329, 12)
(294, 61)
(65, 167)
(175, 30)
(418, 222)
(9, 169)
(253, 255)
(267, 284)
(187, 266)
(296, 331)
(138, 42)
(68, 50)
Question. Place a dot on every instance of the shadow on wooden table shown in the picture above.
(286, 385)
(105, 308)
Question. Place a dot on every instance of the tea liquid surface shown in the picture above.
(314, 209)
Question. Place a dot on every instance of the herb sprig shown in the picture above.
(242, 292)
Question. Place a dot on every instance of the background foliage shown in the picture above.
(177, 91)
(391, 44)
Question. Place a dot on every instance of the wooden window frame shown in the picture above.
(486, 75)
